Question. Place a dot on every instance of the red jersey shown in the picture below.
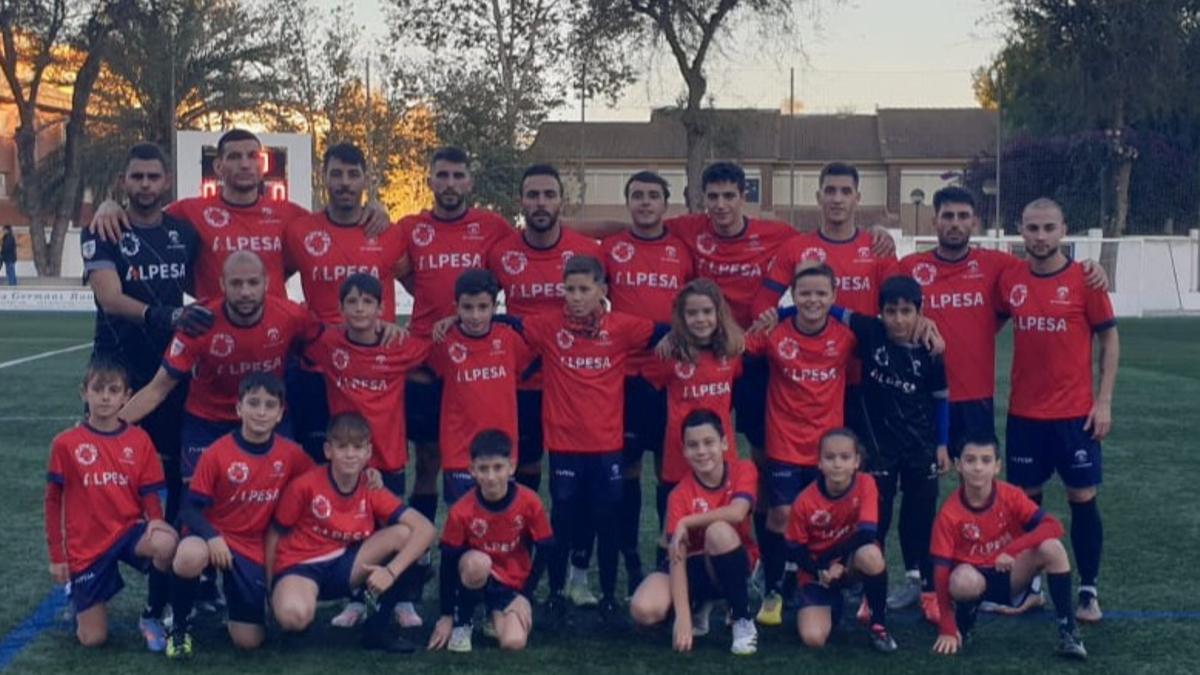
(962, 534)
(479, 388)
(100, 484)
(218, 360)
(369, 380)
(858, 272)
(822, 522)
(325, 253)
(583, 409)
(241, 487)
(691, 496)
(320, 521)
(737, 263)
(505, 531)
(441, 250)
(224, 228)
(708, 383)
(960, 297)
(1054, 317)
(806, 391)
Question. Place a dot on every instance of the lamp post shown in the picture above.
(918, 197)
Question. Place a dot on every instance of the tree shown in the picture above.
(41, 37)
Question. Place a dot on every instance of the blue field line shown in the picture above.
(28, 630)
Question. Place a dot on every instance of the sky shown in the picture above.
(850, 56)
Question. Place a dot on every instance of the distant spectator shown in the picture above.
(8, 255)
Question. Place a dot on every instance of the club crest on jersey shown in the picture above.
(130, 245)
(277, 468)
(273, 335)
(479, 527)
(238, 473)
(973, 268)
(970, 532)
(317, 243)
(813, 254)
(173, 239)
(519, 521)
(341, 359)
(564, 338)
(699, 505)
(86, 454)
(176, 347)
(924, 273)
(267, 211)
(788, 348)
(88, 249)
(216, 216)
(684, 371)
(1018, 294)
(422, 234)
(881, 356)
(457, 352)
(831, 348)
(705, 243)
(127, 455)
(321, 508)
(513, 262)
(864, 252)
(472, 230)
(820, 518)
(622, 252)
(222, 345)
(671, 252)
(1062, 294)
(567, 255)
(380, 361)
(497, 346)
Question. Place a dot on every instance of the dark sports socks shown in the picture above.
(464, 608)
(630, 522)
(158, 583)
(1060, 595)
(732, 570)
(607, 546)
(561, 520)
(183, 598)
(773, 556)
(875, 591)
(379, 622)
(1087, 540)
(965, 613)
(918, 507)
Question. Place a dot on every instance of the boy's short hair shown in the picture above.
(474, 281)
(841, 432)
(953, 194)
(349, 428)
(347, 153)
(105, 366)
(451, 154)
(649, 177)
(817, 270)
(838, 169)
(149, 152)
(491, 443)
(585, 264)
(234, 135)
(982, 440)
(724, 172)
(701, 417)
(898, 288)
(266, 381)
(363, 283)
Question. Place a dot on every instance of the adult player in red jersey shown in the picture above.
(831, 536)
(712, 551)
(480, 362)
(253, 332)
(989, 542)
(646, 266)
(333, 533)
(529, 265)
(809, 357)
(1055, 423)
(227, 511)
(102, 508)
(494, 545)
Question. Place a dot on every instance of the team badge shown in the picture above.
(567, 255)
(684, 371)
(173, 238)
(788, 348)
(479, 527)
(924, 273)
(216, 216)
(86, 454)
(705, 243)
(88, 249)
(457, 352)
(1081, 457)
(602, 337)
(519, 521)
(273, 335)
(176, 347)
(472, 230)
(973, 268)
(317, 243)
(222, 345)
(622, 252)
(513, 262)
(881, 356)
(341, 359)
(321, 508)
(699, 505)
(371, 244)
(970, 532)
(564, 339)
(1018, 294)
(238, 473)
(127, 455)
(1062, 293)
(813, 254)
(831, 348)
(422, 234)
(267, 211)
(497, 345)
(864, 252)
(277, 468)
(130, 245)
(380, 361)
(820, 518)
(672, 254)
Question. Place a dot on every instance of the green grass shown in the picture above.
(1152, 530)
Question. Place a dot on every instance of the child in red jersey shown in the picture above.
(102, 507)
(333, 533)
(227, 510)
(989, 542)
(831, 538)
(486, 546)
(712, 551)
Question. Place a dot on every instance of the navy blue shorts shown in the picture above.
(968, 419)
(102, 579)
(195, 437)
(813, 594)
(530, 443)
(1038, 448)
(497, 597)
(785, 482)
(999, 587)
(456, 484)
(422, 410)
(245, 586)
(331, 576)
(394, 482)
(307, 409)
(594, 477)
(645, 419)
(750, 401)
